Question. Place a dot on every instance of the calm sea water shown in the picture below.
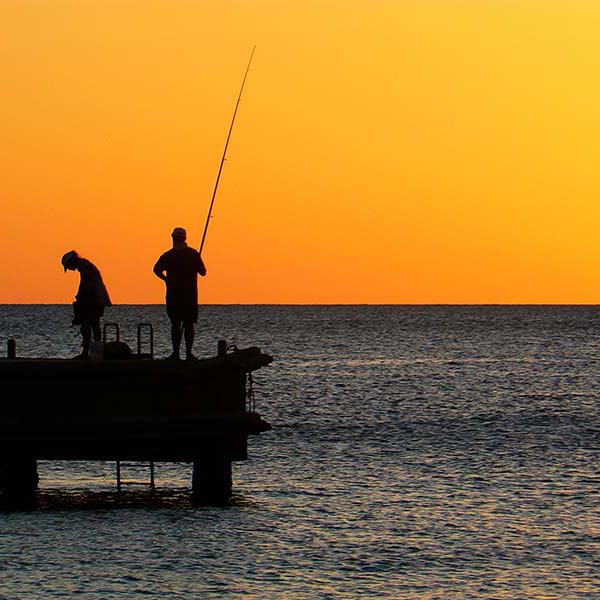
(416, 452)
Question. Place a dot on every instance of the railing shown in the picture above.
(150, 328)
(141, 328)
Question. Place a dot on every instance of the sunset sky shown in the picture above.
(391, 151)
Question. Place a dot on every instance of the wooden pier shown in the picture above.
(129, 410)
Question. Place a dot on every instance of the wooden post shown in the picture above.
(11, 349)
(221, 347)
(211, 481)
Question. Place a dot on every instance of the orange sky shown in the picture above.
(392, 151)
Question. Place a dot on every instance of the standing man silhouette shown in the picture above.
(90, 301)
(179, 269)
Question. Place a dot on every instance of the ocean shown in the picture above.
(417, 452)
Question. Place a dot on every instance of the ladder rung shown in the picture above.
(137, 465)
(136, 483)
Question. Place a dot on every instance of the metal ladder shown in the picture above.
(150, 329)
(140, 355)
(117, 329)
(141, 327)
(121, 483)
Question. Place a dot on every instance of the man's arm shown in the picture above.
(201, 267)
(159, 270)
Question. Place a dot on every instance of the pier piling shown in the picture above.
(18, 476)
(212, 481)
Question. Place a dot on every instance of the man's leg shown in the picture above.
(96, 331)
(188, 331)
(86, 335)
(175, 337)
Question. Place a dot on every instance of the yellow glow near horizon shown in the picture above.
(386, 152)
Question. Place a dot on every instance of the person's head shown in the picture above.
(179, 235)
(69, 260)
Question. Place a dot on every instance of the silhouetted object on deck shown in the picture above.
(91, 299)
(179, 269)
(116, 351)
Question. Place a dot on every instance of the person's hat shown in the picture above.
(179, 232)
(68, 258)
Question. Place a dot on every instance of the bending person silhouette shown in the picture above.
(90, 301)
(179, 269)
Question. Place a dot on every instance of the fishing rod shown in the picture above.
(212, 200)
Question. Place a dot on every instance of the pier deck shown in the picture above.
(151, 410)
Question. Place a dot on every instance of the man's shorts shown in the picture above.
(181, 309)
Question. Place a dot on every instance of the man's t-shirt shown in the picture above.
(92, 290)
(182, 266)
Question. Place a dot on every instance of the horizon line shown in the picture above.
(325, 304)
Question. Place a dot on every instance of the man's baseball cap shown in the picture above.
(179, 232)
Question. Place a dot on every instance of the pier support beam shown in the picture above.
(18, 476)
(211, 481)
